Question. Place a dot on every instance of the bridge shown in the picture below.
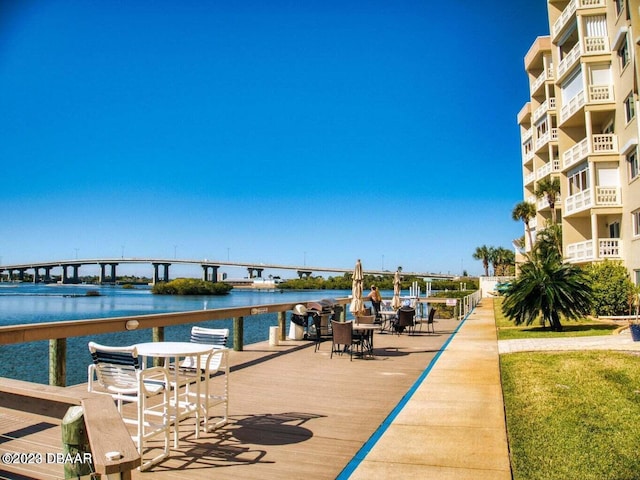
(70, 269)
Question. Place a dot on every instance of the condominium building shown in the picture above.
(580, 125)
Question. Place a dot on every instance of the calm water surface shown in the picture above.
(29, 303)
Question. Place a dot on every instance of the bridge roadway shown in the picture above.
(209, 269)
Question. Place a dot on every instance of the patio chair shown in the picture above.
(428, 320)
(321, 327)
(117, 371)
(342, 336)
(217, 361)
(406, 316)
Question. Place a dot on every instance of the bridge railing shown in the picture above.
(57, 333)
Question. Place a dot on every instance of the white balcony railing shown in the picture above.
(609, 248)
(530, 177)
(572, 106)
(569, 60)
(547, 168)
(580, 251)
(604, 143)
(596, 45)
(548, 136)
(592, 3)
(544, 202)
(547, 105)
(600, 93)
(527, 134)
(608, 196)
(576, 154)
(564, 18)
(583, 251)
(578, 202)
(543, 77)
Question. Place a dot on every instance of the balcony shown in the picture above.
(600, 93)
(547, 105)
(570, 10)
(539, 81)
(552, 167)
(544, 202)
(572, 106)
(569, 60)
(529, 178)
(604, 197)
(548, 136)
(595, 45)
(601, 144)
(584, 252)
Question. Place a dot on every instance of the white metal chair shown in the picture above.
(117, 371)
(211, 395)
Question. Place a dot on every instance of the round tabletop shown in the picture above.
(172, 349)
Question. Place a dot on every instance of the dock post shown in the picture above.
(75, 443)
(157, 335)
(58, 362)
(282, 318)
(238, 333)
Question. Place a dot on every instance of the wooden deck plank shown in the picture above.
(300, 414)
(296, 413)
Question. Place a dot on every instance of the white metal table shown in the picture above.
(178, 350)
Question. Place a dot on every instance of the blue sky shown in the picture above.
(266, 131)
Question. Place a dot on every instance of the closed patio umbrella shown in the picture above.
(395, 302)
(357, 305)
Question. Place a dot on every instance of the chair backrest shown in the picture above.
(432, 314)
(210, 336)
(365, 319)
(342, 332)
(406, 317)
(115, 367)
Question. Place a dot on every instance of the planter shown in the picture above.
(635, 332)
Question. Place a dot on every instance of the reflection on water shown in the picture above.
(29, 303)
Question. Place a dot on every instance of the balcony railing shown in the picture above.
(608, 196)
(576, 153)
(530, 177)
(544, 202)
(527, 134)
(583, 251)
(564, 17)
(600, 93)
(547, 105)
(604, 143)
(547, 168)
(549, 135)
(578, 202)
(569, 60)
(544, 76)
(572, 106)
(596, 45)
(580, 251)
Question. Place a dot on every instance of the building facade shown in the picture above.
(580, 126)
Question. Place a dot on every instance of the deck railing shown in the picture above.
(58, 332)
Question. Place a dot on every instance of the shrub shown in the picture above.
(191, 286)
(612, 288)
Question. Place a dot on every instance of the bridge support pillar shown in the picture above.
(21, 274)
(156, 275)
(255, 272)
(76, 278)
(213, 277)
(304, 274)
(36, 275)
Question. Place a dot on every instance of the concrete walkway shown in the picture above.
(620, 341)
(452, 424)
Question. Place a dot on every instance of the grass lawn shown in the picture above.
(573, 415)
(507, 330)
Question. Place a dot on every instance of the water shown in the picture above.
(35, 303)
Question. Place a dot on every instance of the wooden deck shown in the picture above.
(296, 413)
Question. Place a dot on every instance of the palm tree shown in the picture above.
(502, 259)
(525, 211)
(549, 288)
(549, 188)
(483, 253)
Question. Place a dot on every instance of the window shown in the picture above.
(619, 6)
(634, 166)
(578, 180)
(629, 108)
(635, 220)
(623, 53)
